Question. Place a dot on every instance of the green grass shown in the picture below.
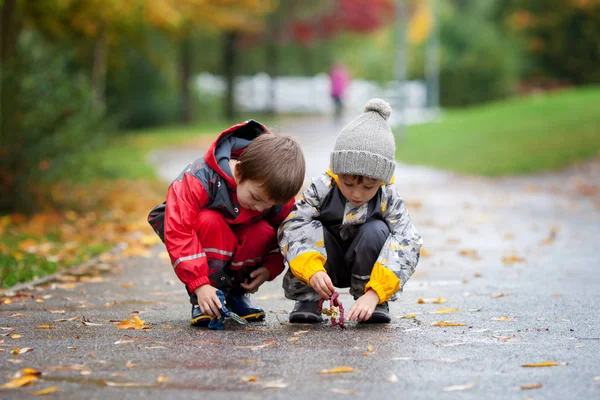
(125, 154)
(520, 136)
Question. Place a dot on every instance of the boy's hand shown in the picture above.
(322, 284)
(259, 276)
(362, 309)
(209, 301)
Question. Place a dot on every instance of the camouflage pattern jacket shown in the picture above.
(323, 205)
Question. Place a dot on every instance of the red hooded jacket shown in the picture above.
(207, 184)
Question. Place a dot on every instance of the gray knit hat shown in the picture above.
(366, 145)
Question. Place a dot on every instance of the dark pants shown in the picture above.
(349, 263)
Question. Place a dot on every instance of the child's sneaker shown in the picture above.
(306, 312)
(199, 319)
(241, 305)
(381, 314)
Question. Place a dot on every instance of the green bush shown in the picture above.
(478, 62)
(48, 118)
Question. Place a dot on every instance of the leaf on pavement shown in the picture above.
(533, 386)
(512, 259)
(447, 323)
(342, 391)
(123, 341)
(46, 391)
(30, 371)
(542, 364)
(370, 348)
(276, 384)
(469, 253)
(16, 315)
(407, 316)
(132, 323)
(16, 336)
(162, 379)
(445, 310)
(456, 388)
(249, 378)
(19, 382)
(301, 332)
(22, 351)
(337, 370)
(130, 364)
(504, 319)
(439, 300)
(293, 338)
(46, 327)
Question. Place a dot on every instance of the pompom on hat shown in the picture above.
(366, 146)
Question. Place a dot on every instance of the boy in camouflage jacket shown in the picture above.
(350, 228)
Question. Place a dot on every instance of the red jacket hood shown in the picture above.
(245, 131)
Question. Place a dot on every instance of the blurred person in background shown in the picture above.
(340, 80)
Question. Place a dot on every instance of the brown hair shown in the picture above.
(277, 162)
(360, 178)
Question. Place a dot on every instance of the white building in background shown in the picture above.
(311, 95)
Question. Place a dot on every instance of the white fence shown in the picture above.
(311, 95)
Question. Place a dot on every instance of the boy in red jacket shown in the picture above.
(219, 222)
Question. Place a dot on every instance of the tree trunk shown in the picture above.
(272, 60)
(228, 67)
(99, 70)
(9, 29)
(185, 74)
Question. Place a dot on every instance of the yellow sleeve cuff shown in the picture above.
(307, 264)
(384, 282)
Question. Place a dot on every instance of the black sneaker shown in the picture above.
(306, 312)
(381, 314)
(199, 319)
(241, 305)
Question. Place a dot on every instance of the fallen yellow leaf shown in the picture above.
(444, 310)
(407, 316)
(504, 319)
(447, 323)
(130, 364)
(534, 386)
(337, 370)
(542, 364)
(439, 300)
(132, 323)
(249, 378)
(46, 327)
(30, 371)
(162, 379)
(46, 391)
(22, 351)
(16, 336)
(19, 382)
(16, 315)
(292, 339)
(512, 259)
(370, 348)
